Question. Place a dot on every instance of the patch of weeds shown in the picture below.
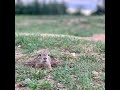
(100, 47)
(19, 77)
(63, 75)
(88, 58)
(32, 85)
(23, 72)
(68, 57)
(84, 81)
(76, 49)
(44, 85)
(55, 53)
(28, 44)
(37, 74)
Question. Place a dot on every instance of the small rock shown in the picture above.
(60, 85)
(96, 77)
(27, 81)
(95, 73)
(73, 54)
(19, 46)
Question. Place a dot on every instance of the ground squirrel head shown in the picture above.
(44, 56)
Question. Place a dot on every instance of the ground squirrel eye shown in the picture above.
(39, 55)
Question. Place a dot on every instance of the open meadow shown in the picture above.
(76, 41)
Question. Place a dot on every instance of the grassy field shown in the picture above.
(85, 71)
(68, 25)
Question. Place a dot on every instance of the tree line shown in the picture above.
(52, 8)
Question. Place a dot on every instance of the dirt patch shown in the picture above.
(97, 37)
(32, 63)
(18, 86)
(18, 53)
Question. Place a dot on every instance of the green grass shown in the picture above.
(24, 72)
(31, 43)
(75, 73)
(83, 66)
(45, 85)
(68, 25)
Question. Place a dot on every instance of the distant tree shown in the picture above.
(19, 7)
(53, 7)
(61, 8)
(36, 7)
(101, 7)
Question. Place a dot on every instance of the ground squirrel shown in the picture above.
(43, 60)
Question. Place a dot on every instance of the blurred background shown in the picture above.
(68, 17)
(47, 7)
